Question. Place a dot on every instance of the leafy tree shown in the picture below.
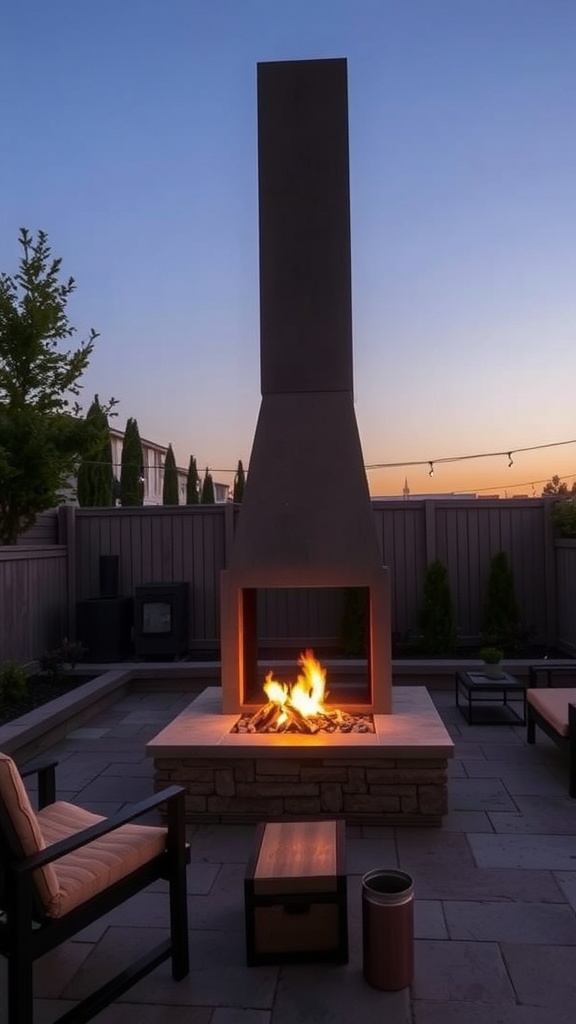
(564, 516)
(170, 483)
(132, 466)
(557, 486)
(208, 497)
(95, 483)
(500, 616)
(192, 483)
(436, 616)
(239, 483)
(42, 433)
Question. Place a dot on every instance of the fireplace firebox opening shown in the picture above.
(348, 680)
(362, 685)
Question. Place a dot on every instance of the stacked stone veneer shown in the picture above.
(398, 774)
(373, 790)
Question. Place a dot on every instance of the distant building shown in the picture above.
(407, 496)
(154, 456)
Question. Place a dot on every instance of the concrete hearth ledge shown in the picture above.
(413, 730)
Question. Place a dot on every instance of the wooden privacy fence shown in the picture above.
(464, 535)
(34, 600)
(192, 543)
(40, 585)
(566, 589)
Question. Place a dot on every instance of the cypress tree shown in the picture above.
(95, 476)
(132, 469)
(500, 614)
(208, 497)
(436, 615)
(192, 483)
(239, 483)
(170, 483)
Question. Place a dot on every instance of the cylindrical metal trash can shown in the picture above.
(388, 928)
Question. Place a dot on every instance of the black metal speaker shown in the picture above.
(109, 575)
(104, 626)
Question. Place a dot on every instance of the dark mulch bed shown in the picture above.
(41, 690)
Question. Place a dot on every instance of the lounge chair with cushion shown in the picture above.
(553, 709)
(63, 867)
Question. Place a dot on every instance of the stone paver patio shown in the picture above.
(495, 907)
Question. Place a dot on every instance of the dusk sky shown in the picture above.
(129, 135)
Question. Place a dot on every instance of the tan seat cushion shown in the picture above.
(93, 868)
(76, 877)
(29, 835)
(552, 703)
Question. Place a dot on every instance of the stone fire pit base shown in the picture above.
(397, 775)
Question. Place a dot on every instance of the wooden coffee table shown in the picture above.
(495, 697)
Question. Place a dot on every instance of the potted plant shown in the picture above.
(492, 656)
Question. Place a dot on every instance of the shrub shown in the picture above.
(564, 517)
(54, 661)
(436, 623)
(13, 680)
(500, 619)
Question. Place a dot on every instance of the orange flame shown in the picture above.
(307, 693)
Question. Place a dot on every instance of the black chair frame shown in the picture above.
(26, 933)
(534, 718)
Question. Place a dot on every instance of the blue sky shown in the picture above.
(129, 134)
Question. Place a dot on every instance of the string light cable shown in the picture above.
(527, 483)
(431, 463)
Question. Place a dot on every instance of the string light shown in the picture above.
(527, 483)
(431, 463)
(464, 458)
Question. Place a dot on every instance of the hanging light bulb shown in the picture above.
(510, 460)
(431, 470)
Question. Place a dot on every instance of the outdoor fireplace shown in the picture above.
(305, 519)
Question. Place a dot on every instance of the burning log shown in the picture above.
(301, 708)
(301, 723)
(273, 717)
(263, 720)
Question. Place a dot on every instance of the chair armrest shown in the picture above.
(75, 842)
(46, 772)
(38, 765)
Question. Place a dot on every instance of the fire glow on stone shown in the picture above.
(301, 707)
